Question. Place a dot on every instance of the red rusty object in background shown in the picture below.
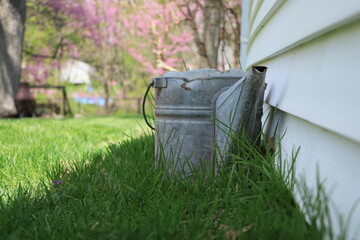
(25, 101)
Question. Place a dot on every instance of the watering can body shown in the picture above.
(195, 111)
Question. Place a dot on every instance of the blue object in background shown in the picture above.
(91, 100)
(90, 88)
(101, 101)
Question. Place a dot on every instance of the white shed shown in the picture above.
(76, 72)
(312, 51)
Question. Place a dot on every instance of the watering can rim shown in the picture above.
(201, 78)
(203, 74)
(210, 74)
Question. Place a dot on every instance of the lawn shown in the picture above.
(108, 188)
(32, 147)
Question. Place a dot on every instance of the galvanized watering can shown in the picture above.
(196, 110)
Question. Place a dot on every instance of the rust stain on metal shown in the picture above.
(158, 91)
(185, 87)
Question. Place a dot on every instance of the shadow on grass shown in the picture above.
(118, 194)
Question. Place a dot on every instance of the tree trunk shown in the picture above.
(107, 95)
(211, 34)
(12, 20)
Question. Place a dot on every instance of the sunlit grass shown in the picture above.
(115, 192)
(30, 147)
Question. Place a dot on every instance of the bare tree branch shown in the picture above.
(190, 18)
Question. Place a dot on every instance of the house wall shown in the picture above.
(312, 50)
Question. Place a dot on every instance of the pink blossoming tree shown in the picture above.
(159, 35)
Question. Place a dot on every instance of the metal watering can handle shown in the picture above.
(143, 106)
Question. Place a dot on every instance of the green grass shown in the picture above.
(31, 147)
(116, 193)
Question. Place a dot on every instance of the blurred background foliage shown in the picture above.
(123, 44)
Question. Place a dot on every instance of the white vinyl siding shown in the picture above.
(264, 13)
(327, 156)
(320, 81)
(296, 22)
(312, 51)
